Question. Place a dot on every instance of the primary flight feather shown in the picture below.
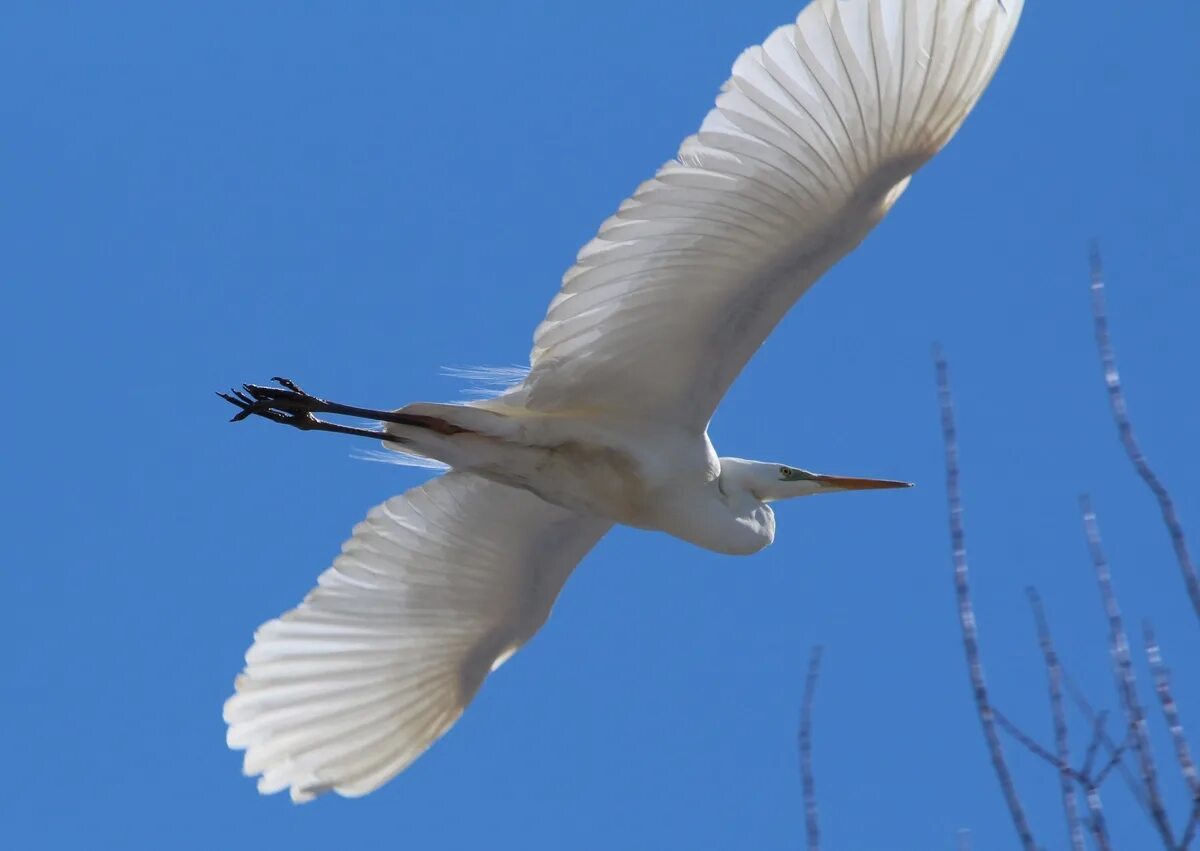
(811, 141)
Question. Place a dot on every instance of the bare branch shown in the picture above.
(1096, 821)
(1162, 687)
(1120, 411)
(1098, 735)
(966, 612)
(1122, 666)
(1115, 751)
(1061, 743)
(1189, 832)
(806, 771)
(1033, 747)
(1113, 761)
(1091, 785)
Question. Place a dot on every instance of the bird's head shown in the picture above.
(768, 482)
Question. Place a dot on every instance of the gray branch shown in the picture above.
(1058, 714)
(1096, 821)
(1122, 666)
(966, 611)
(1120, 411)
(813, 831)
(1115, 751)
(1189, 832)
(1098, 736)
(1091, 785)
(1162, 687)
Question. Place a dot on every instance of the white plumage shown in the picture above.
(381, 657)
(811, 141)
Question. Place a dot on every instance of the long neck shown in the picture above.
(734, 523)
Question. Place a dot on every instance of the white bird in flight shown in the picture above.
(811, 142)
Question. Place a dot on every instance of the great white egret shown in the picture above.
(812, 140)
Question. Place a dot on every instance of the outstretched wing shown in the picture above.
(810, 143)
(435, 589)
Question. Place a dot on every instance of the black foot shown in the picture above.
(286, 404)
(289, 405)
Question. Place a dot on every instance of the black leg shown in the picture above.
(290, 405)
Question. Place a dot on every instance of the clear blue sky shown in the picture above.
(357, 195)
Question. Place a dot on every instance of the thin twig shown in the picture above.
(1120, 411)
(1098, 735)
(1032, 746)
(966, 612)
(1097, 824)
(806, 770)
(1096, 821)
(1061, 743)
(1080, 776)
(1091, 785)
(1189, 832)
(1097, 718)
(1122, 666)
(1113, 762)
(1162, 687)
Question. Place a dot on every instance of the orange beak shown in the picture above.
(847, 483)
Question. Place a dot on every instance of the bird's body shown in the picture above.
(634, 472)
(593, 463)
(811, 142)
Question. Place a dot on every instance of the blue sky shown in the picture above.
(357, 196)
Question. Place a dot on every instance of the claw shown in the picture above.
(286, 404)
(275, 394)
(288, 383)
(245, 408)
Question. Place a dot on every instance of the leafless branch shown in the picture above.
(806, 771)
(1122, 666)
(1115, 751)
(1082, 776)
(1120, 411)
(966, 612)
(1061, 743)
(1113, 762)
(1189, 832)
(1162, 687)
(1097, 824)
(1098, 735)
(1091, 785)
(1096, 821)
(1028, 742)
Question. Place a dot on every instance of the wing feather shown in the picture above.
(810, 142)
(433, 590)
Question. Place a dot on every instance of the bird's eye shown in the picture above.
(785, 471)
